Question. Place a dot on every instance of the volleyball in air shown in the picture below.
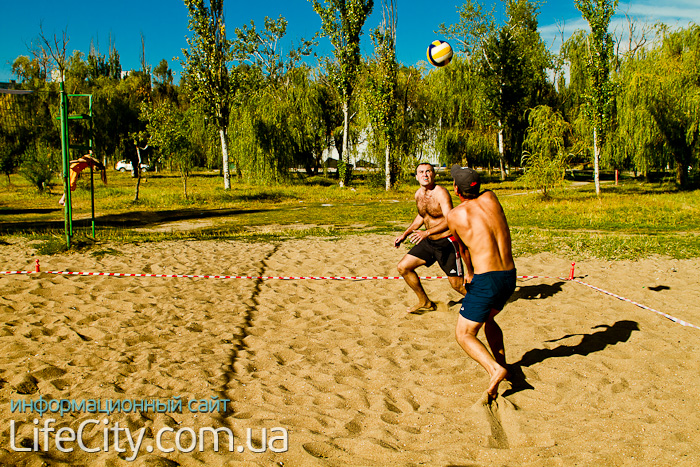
(439, 53)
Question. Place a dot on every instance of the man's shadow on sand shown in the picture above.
(594, 342)
(536, 292)
(527, 292)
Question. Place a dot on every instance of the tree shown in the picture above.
(56, 49)
(503, 85)
(277, 115)
(513, 68)
(459, 116)
(659, 124)
(207, 77)
(510, 63)
(383, 86)
(77, 71)
(29, 71)
(310, 115)
(169, 129)
(261, 49)
(113, 63)
(342, 22)
(412, 125)
(163, 89)
(13, 134)
(39, 164)
(471, 31)
(162, 74)
(117, 103)
(600, 48)
(546, 158)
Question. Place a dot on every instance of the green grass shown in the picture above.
(627, 208)
(629, 221)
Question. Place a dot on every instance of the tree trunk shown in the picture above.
(682, 168)
(387, 167)
(345, 180)
(136, 172)
(224, 158)
(138, 184)
(596, 161)
(680, 176)
(501, 151)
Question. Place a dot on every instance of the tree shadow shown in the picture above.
(527, 292)
(277, 196)
(10, 212)
(129, 219)
(594, 342)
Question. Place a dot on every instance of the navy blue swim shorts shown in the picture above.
(487, 291)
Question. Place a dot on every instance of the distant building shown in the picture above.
(56, 76)
(12, 84)
(359, 156)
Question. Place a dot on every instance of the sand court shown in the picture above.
(341, 367)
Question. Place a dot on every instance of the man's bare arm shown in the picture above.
(415, 225)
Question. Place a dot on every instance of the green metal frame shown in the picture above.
(65, 152)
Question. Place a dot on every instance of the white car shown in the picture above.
(125, 165)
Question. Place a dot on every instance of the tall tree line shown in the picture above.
(247, 106)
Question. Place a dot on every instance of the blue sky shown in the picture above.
(163, 24)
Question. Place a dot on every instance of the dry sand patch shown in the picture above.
(340, 366)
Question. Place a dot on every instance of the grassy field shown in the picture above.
(629, 221)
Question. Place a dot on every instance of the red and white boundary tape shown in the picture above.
(667, 316)
(202, 276)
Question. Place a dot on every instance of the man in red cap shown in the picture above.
(480, 223)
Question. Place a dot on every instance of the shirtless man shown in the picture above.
(432, 244)
(481, 225)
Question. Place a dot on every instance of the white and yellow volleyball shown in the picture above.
(439, 53)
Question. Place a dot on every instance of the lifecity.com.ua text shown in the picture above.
(166, 439)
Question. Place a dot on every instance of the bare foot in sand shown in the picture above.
(430, 306)
(496, 379)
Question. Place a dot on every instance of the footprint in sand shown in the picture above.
(501, 417)
(321, 450)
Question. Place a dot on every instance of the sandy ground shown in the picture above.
(334, 372)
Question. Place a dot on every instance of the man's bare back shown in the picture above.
(481, 225)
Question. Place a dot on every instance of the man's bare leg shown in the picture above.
(466, 337)
(494, 336)
(457, 283)
(407, 267)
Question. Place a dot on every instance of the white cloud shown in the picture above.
(681, 11)
(674, 13)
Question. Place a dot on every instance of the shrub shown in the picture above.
(38, 166)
